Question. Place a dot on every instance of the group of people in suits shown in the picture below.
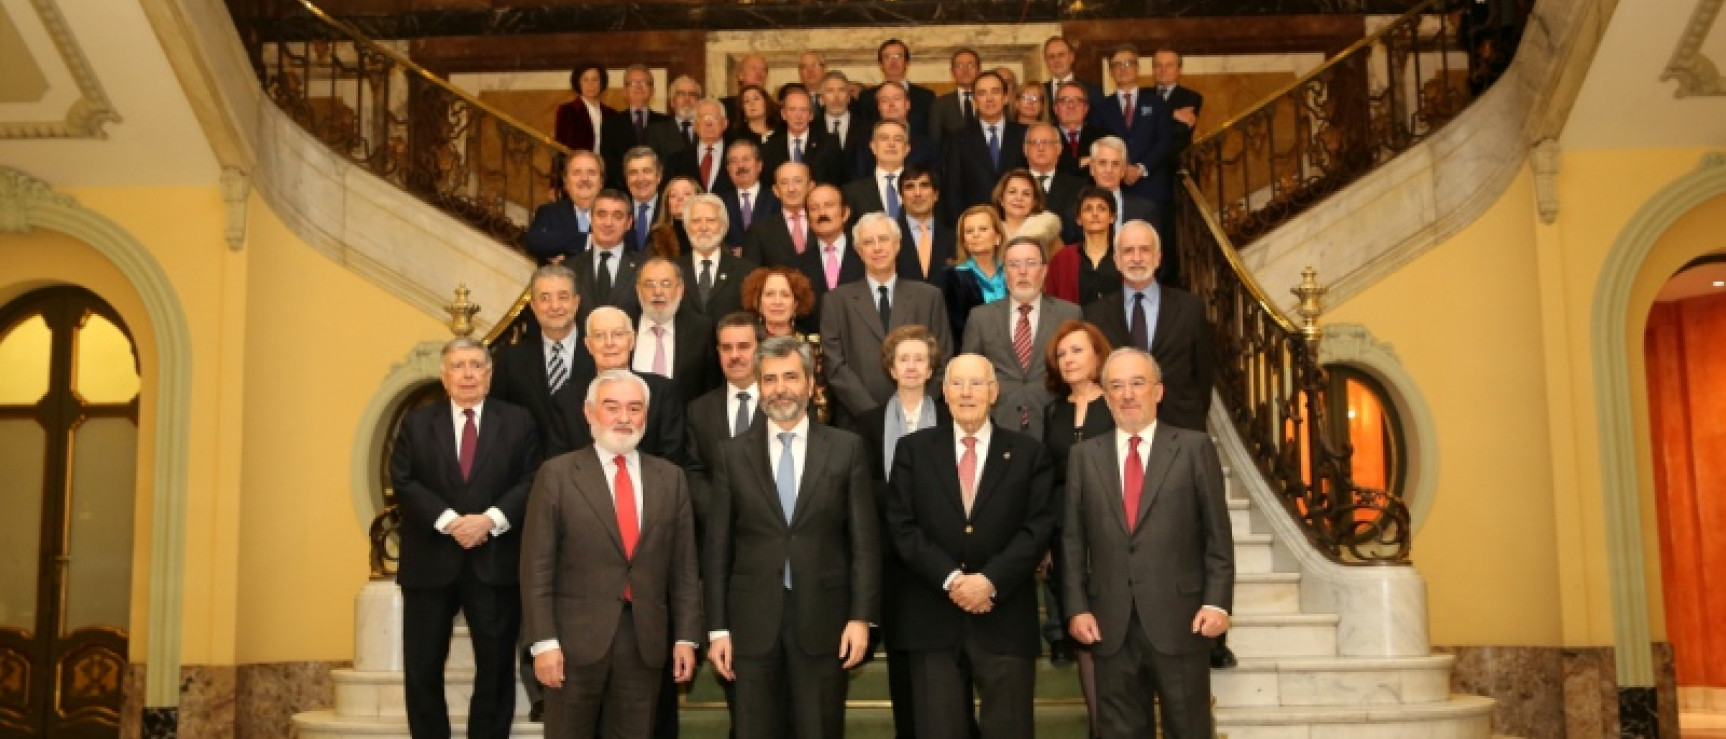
(642, 477)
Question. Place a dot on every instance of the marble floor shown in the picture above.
(1702, 726)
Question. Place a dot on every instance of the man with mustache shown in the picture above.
(609, 573)
(829, 261)
(674, 340)
(715, 272)
(791, 559)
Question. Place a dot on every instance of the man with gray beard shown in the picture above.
(672, 340)
(610, 594)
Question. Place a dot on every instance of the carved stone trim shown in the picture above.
(419, 367)
(1546, 162)
(236, 186)
(1354, 345)
(1696, 74)
(86, 115)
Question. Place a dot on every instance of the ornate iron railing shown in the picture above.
(367, 101)
(1380, 96)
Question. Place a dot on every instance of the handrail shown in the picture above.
(375, 106)
(1332, 126)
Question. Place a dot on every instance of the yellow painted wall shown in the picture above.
(1495, 326)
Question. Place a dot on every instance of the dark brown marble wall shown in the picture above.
(1558, 692)
(270, 694)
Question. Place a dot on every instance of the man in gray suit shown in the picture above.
(1012, 334)
(856, 316)
(1149, 571)
(609, 572)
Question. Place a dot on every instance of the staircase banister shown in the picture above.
(1233, 257)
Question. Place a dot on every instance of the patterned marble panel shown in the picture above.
(132, 702)
(160, 723)
(1590, 693)
(206, 700)
(270, 694)
(1525, 681)
(1638, 713)
(1666, 683)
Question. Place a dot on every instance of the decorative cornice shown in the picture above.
(86, 115)
(20, 194)
(1696, 74)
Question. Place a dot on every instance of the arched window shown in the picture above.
(1361, 414)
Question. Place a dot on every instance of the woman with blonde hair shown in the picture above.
(976, 276)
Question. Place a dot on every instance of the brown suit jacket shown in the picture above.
(573, 569)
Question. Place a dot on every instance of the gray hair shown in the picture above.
(1110, 142)
(835, 75)
(691, 80)
(1156, 239)
(1130, 351)
(780, 347)
(461, 343)
(617, 375)
(709, 199)
(550, 271)
(870, 219)
(643, 152)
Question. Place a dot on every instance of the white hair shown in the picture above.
(616, 375)
(1110, 142)
(1156, 239)
(607, 310)
(870, 219)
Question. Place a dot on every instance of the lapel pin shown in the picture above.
(1006, 455)
(722, 275)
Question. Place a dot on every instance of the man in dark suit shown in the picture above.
(892, 104)
(782, 238)
(605, 273)
(611, 341)
(1059, 56)
(610, 582)
(730, 409)
(1167, 322)
(643, 175)
(895, 58)
(1182, 104)
(715, 273)
(792, 558)
(672, 341)
(704, 161)
(956, 108)
(1011, 334)
(876, 189)
(559, 228)
(628, 129)
(971, 544)
(844, 119)
(669, 137)
(929, 243)
(1074, 127)
(1136, 116)
(857, 315)
(1148, 559)
(1108, 161)
(803, 142)
(744, 196)
(977, 155)
(534, 372)
(461, 471)
(1060, 189)
(829, 261)
(751, 70)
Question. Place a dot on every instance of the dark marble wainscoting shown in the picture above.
(271, 693)
(132, 702)
(1568, 693)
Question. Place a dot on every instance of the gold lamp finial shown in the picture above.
(1309, 292)
(461, 312)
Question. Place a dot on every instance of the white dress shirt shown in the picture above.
(982, 451)
(844, 121)
(598, 117)
(731, 392)
(569, 344)
(611, 265)
(646, 344)
(500, 523)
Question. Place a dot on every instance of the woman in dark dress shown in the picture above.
(1075, 361)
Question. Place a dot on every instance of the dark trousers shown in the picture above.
(665, 716)
(943, 682)
(794, 691)
(493, 620)
(619, 685)
(1126, 679)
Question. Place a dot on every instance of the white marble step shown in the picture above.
(1283, 635)
(1240, 516)
(1252, 553)
(1267, 592)
(328, 725)
(1333, 681)
(363, 694)
(1460, 717)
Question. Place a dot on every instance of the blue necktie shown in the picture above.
(797, 150)
(787, 484)
(892, 196)
(581, 220)
(641, 226)
(994, 149)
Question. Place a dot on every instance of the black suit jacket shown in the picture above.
(832, 543)
(1004, 537)
(814, 268)
(863, 195)
(695, 367)
(427, 478)
(619, 137)
(726, 297)
(667, 140)
(1182, 345)
(826, 159)
(924, 152)
(555, 231)
(1062, 199)
(763, 205)
(922, 103)
(687, 163)
(622, 292)
(709, 426)
(942, 244)
(768, 241)
(1088, 134)
(518, 377)
(967, 176)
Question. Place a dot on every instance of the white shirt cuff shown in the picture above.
(713, 636)
(1218, 610)
(689, 644)
(444, 520)
(499, 524)
(947, 584)
(543, 646)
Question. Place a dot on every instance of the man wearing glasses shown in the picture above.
(895, 58)
(1073, 124)
(628, 128)
(1136, 116)
(677, 132)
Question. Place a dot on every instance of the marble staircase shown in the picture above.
(1325, 651)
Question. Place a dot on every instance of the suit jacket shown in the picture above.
(555, 231)
(726, 297)
(1004, 537)
(574, 570)
(851, 335)
(619, 137)
(667, 139)
(924, 152)
(427, 477)
(1147, 139)
(1062, 199)
(573, 127)
(763, 205)
(968, 176)
(814, 268)
(518, 378)
(768, 241)
(1093, 92)
(1182, 345)
(922, 102)
(622, 293)
(942, 245)
(1088, 134)
(832, 543)
(946, 115)
(863, 195)
(1177, 135)
(989, 332)
(695, 362)
(709, 426)
(631, 240)
(822, 152)
(1179, 558)
(663, 436)
(687, 163)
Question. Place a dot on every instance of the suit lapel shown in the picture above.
(994, 468)
(590, 483)
(863, 304)
(655, 506)
(765, 480)
(443, 432)
(814, 464)
(488, 440)
(1043, 335)
(1165, 320)
(951, 490)
(1108, 465)
(1164, 449)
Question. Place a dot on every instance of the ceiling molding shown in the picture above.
(86, 115)
(1695, 72)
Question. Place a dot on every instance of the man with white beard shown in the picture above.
(672, 341)
(610, 586)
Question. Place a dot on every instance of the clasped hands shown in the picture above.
(471, 530)
(972, 592)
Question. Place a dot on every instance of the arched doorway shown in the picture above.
(69, 445)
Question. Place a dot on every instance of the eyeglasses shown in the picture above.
(1024, 264)
(1042, 142)
(615, 335)
(1030, 98)
(893, 56)
(1124, 64)
(661, 284)
(1068, 100)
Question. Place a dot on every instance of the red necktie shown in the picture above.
(968, 473)
(1135, 479)
(469, 440)
(627, 525)
(1073, 143)
(1127, 107)
(799, 237)
(1022, 338)
(707, 161)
